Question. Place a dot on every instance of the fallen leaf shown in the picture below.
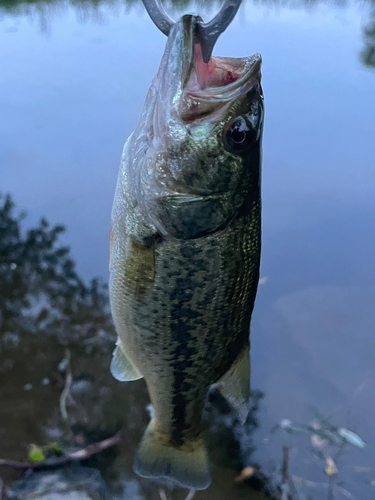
(245, 474)
(331, 469)
(318, 442)
(351, 437)
(36, 454)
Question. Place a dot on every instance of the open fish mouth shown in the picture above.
(209, 86)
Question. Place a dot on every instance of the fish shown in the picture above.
(185, 245)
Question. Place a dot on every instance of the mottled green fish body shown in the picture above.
(185, 248)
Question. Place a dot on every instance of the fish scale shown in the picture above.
(190, 311)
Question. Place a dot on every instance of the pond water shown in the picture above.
(73, 80)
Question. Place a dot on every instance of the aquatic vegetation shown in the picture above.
(36, 454)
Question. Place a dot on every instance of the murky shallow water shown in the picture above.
(73, 81)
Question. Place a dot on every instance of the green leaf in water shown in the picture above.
(36, 454)
(55, 448)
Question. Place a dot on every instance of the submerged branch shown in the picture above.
(82, 454)
(285, 474)
(162, 494)
(2, 490)
(190, 495)
(68, 383)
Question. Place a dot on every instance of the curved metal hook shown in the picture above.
(159, 16)
(207, 33)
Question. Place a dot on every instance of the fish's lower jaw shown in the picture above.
(186, 466)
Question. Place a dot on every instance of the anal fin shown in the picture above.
(122, 367)
(234, 385)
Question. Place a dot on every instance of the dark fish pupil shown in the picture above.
(238, 135)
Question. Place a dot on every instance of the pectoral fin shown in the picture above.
(188, 216)
(122, 368)
(235, 384)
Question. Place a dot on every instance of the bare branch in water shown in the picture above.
(345, 493)
(163, 495)
(190, 495)
(2, 490)
(83, 454)
(68, 383)
(285, 474)
(285, 470)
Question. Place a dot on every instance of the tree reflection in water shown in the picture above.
(40, 289)
(46, 307)
(43, 9)
(368, 53)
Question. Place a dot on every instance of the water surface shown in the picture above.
(73, 80)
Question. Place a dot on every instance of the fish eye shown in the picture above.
(239, 135)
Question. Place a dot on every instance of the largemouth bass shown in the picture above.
(185, 248)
